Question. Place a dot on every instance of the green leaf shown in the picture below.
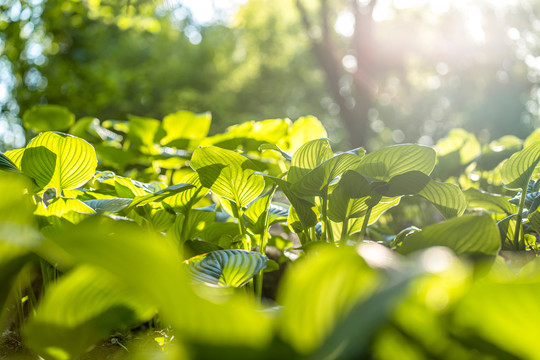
(468, 234)
(227, 174)
(15, 156)
(447, 198)
(257, 212)
(48, 117)
(84, 307)
(185, 200)
(305, 129)
(478, 199)
(534, 220)
(60, 161)
(507, 230)
(320, 177)
(198, 247)
(504, 321)
(307, 157)
(225, 268)
(312, 309)
(388, 162)
(274, 147)
(7, 165)
(143, 133)
(517, 170)
(159, 195)
(352, 185)
(114, 205)
(306, 211)
(358, 212)
(185, 129)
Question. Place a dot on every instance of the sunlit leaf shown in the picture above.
(60, 161)
(159, 195)
(226, 267)
(478, 199)
(497, 151)
(15, 156)
(517, 170)
(311, 309)
(446, 197)
(394, 160)
(468, 234)
(114, 205)
(184, 129)
(48, 117)
(84, 307)
(143, 133)
(7, 165)
(227, 174)
(307, 157)
(305, 129)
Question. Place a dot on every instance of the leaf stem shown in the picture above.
(365, 223)
(517, 230)
(324, 220)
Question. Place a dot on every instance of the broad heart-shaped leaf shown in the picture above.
(48, 117)
(320, 177)
(517, 170)
(390, 161)
(143, 133)
(84, 307)
(184, 128)
(305, 129)
(319, 292)
(223, 268)
(307, 157)
(305, 210)
(447, 198)
(274, 147)
(60, 161)
(468, 234)
(227, 174)
(7, 165)
(478, 199)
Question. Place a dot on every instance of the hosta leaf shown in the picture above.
(394, 160)
(184, 128)
(352, 185)
(143, 133)
(307, 157)
(60, 161)
(48, 117)
(61, 206)
(447, 198)
(227, 174)
(257, 212)
(315, 180)
(84, 307)
(534, 220)
(358, 212)
(497, 331)
(305, 210)
(15, 156)
(159, 195)
(7, 165)
(199, 247)
(507, 230)
(274, 147)
(468, 234)
(312, 309)
(478, 199)
(226, 267)
(130, 188)
(149, 264)
(517, 170)
(113, 205)
(305, 129)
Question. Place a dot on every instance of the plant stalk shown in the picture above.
(324, 220)
(517, 231)
(365, 223)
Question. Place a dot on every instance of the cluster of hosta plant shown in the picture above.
(152, 237)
